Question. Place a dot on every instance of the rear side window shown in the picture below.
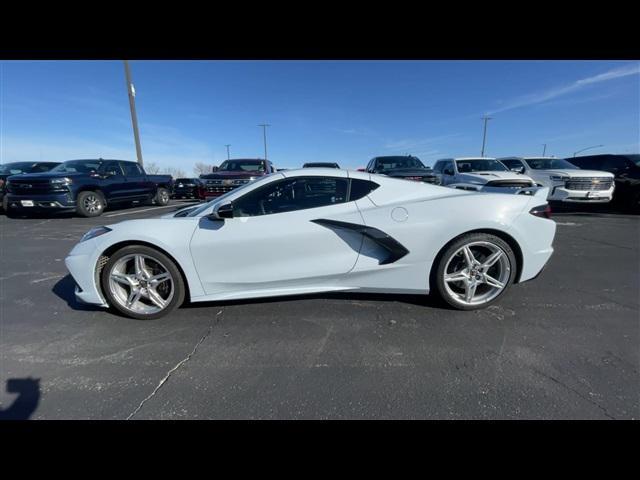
(131, 169)
(360, 188)
(512, 163)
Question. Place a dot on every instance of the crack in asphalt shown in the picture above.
(575, 392)
(177, 366)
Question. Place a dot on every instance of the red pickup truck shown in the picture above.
(234, 173)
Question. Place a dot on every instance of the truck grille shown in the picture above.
(32, 187)
(510, 183)
(220, 189)
(589, 183)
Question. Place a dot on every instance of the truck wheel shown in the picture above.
(162, 197)
(474, 271)
(90, 204)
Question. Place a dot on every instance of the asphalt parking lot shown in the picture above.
(564, 346)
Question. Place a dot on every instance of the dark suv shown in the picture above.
(406, 167)
(188, 188)
(234, 173)
(626, 169)
(19, 168)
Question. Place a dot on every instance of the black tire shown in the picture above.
(438, 271)
(90, 204)
(178, 281)
(162, 197)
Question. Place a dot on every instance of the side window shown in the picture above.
(111, 167)
(438, 167)
(291, 194)
(447, 168)
(131, 169)
(360, 188)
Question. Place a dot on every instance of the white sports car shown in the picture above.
(318, 230)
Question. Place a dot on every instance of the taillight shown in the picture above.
(543, 211)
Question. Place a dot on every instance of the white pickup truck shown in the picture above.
(482, 174)
(566, 182)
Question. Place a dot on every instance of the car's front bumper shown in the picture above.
(51, 201)
(562, 194)
(81, 263)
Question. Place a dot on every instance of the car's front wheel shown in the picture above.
(90, 204)
(474, 271)
(142, 283)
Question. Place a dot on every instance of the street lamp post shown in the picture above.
(264, 134)
(132, 105)
(588, 148)
(544, 150)
(484, 135)
(228, 155)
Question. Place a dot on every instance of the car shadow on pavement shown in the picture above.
(65, 289)
(595, 210)
(28, 390)
(420, 300)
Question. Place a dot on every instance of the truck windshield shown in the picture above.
(480, 165)
(242, 166)
(390, 163)
(15, 168)
(78, 166)
(549, 164)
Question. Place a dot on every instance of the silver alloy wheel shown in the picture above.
(477, 273)
(141, 284)
(92, 203)
(164, 196)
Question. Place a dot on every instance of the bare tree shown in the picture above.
(151, 168)
(174, 172)
(201, 168)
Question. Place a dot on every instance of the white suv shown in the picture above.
(566, 182)
(481, 174)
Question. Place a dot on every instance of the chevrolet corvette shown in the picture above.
(318, 230)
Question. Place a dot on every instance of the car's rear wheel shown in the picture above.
(474, 271)
(142, 283)
(90, 204)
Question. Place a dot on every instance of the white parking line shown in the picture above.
(147, 209)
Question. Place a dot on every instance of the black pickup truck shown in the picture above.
(86, 187)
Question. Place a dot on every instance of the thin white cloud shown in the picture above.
(555, 92)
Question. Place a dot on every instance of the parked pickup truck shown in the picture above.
(86, 187)
(234, 173)
(19, 168)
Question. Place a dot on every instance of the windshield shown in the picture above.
(480, 165)
(15, 168)
(242, 166)
(321, 165)
(550, 164)
(78, 166)
(185, 180)
(635, 159)
(389, 163)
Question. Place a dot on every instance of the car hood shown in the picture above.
(218, 175)
(576, 173)
(484, 177)
(48, 175)
(410, 172)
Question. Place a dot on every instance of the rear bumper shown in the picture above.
(52, 201)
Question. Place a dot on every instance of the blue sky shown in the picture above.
(342, 111)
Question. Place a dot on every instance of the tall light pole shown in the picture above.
(544, 150)
(228, 155)
(132, 105)
(588, 148)
(484, 135)
(264, 134)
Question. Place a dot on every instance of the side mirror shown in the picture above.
(222, 212)
(518, 169)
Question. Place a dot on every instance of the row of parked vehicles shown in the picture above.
(89, 186)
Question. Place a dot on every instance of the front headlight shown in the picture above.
(95, 232)
(61, 181)
(558, 178)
